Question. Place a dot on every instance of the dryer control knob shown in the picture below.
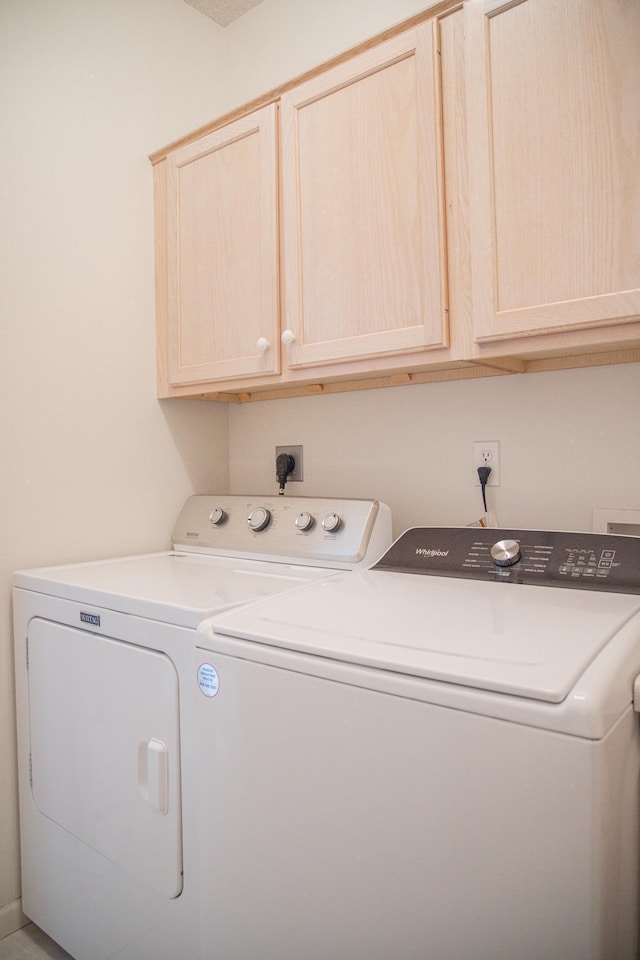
(332, 522)
(505, 553)
(304, 521)
(258, 519)
(217, 516)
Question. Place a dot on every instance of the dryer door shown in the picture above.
(105, 748)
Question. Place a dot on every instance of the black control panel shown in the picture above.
(581, 561)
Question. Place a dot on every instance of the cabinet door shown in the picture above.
(362, 194)
(553, 98)
(222, 244)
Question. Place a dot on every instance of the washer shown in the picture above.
(106, 695)
(435, 759)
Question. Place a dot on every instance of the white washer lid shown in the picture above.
(528, 641)
(177, 588)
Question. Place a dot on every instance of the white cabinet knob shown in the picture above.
(288, 336)
(262, 344)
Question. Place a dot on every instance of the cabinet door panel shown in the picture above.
(363, 207)
(222, 244)
(554, 120)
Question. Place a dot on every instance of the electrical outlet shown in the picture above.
(296, 452)
(486, 453)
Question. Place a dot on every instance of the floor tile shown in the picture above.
(31, 943)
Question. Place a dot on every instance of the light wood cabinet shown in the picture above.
(363, 207)
(458, 198)
(553, 104)
(218, 256)
(360, 221)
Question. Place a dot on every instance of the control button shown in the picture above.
(505, 553)
(258, 519)
(217, 516)
(331, 522)
(304, 521)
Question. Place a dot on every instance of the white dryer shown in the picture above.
(106, 689)
(435, 759)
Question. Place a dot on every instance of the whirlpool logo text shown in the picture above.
(431, 552)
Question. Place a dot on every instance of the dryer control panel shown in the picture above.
(316, 531)
(583, 561)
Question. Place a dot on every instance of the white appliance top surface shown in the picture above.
(528, 641)
(228, 550)
(173, 587)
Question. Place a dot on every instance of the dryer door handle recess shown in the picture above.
(153, 774)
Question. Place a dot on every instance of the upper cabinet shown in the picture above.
(553, 104)
(460, 197)
(331, 197)
(218, 283)
(363, 206)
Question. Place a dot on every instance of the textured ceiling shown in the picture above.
(223, 11)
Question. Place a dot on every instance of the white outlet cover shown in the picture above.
(493, 446)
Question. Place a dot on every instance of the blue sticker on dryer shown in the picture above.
(208, 679)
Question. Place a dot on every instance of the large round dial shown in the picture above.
(331, 522)
(217, 516)
(505, 553)
(258, 519)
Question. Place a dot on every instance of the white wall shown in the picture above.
(92, 464)
(280, 39)
(569, 442)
